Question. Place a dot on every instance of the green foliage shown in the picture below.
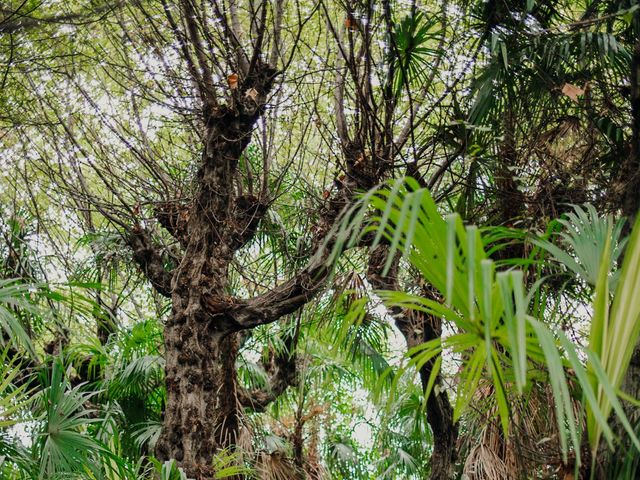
(590, 238)
(495, 336)
(13, 399)
(102, 127)
(615, 328)
(15, 304)
(412, 50)
(63, 443)
(595, 248)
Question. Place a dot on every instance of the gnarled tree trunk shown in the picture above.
(202, 413)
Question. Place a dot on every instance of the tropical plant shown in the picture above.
(494, 335)
(63, 443)
(15, 304)
(173, 175)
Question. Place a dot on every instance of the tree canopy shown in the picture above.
(311, 239)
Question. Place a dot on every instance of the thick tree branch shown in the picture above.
(283, 299)
(249, 211)
(173, 216)
(150, 261)
(293, 294)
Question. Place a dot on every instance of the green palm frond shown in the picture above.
(146, 433)
(361, 336)
(138, 377)
(614, 333)
(495, 335)
(168, 470)
(590, 238)
(412, 52)
(13, 399)
(15, 298)
(226, 464)
(535, 62)
(63, 444)
(229, 464)
(343, 457)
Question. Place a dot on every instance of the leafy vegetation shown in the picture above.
(303, 239)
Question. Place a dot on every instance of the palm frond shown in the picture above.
(15, 298)
(589, 237)
(63, 444)
(496, 336)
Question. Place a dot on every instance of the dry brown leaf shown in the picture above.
(233, 81)
(350, 23)
(572, 91)
(252, 93)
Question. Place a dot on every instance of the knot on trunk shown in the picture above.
(366, 167)
(173, 216)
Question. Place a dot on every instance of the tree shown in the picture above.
(217, 216)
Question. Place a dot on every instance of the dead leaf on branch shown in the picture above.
(252, 93)
(351, 23)
(233, 81)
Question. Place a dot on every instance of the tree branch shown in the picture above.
(293, 294)
(282, 371)
(150, 261)
(173, 217)
(249, 211)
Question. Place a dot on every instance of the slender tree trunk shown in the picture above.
(509, 199)
(439, 412)
(418, 328)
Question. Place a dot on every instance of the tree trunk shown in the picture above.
(202, 413)
(418, 328)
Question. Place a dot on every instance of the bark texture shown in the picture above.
(203, 334)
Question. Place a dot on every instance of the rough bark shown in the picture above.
(203, 334)
(418, 328)
(509, 199)
(203, 410)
